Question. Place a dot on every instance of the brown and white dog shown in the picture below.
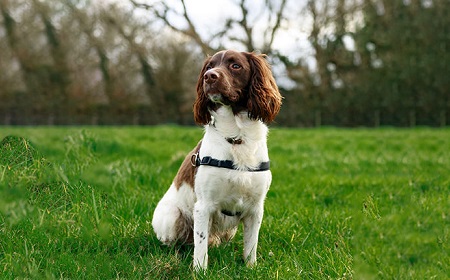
(225, 179)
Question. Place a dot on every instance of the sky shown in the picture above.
(209, 16)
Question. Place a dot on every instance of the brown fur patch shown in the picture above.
(216, 238)
(186, 173)
(184, 227)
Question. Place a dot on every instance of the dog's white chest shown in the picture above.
(232, 190)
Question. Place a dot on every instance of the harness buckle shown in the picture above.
(195, 160)
(207, 160)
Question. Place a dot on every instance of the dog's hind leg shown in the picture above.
(170, 222)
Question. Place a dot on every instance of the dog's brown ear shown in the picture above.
(202, 116)
(264, 100)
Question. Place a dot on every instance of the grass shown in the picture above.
(344, 204)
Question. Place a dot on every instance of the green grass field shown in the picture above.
(77, 203)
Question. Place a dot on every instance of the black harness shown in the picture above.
(230, 214)
(196, 161)
(229, 164)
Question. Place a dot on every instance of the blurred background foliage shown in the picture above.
(366, 62)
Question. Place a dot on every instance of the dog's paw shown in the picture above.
(201, 264)
(250, 264)
(165, 223)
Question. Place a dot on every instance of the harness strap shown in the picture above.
(229, 213)
(263, 166)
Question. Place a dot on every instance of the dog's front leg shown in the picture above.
(201, 235)
(252, 224)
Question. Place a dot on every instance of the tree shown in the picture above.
(273, 13)
(406, 64)
(324, 89)
(59, 72)
(368, 62)
(35, 69)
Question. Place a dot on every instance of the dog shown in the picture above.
(224, 180)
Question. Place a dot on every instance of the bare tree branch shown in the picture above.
(276, 13)
(279, 16)
(246, 27)
(190, 31)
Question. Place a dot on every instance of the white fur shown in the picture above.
(173, 204)
(217, 189)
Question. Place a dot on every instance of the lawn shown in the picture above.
(77, 203)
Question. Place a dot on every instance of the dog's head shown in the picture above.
(241, 80)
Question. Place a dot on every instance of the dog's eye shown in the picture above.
(208, 67)
(236, 66)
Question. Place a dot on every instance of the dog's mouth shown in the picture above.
(216, 98)
(220, 93)
(222, 97)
